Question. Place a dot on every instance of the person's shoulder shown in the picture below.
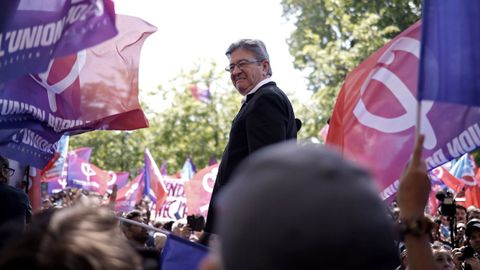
(13, 191)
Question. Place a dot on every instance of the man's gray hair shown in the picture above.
(254, 45)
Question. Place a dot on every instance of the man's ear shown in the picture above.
(265, 66)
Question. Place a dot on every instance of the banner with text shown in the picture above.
(38, 31)
(92, 89)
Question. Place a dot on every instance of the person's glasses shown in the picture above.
(241, 64)
(10, 171)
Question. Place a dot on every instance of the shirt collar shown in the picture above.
(260, 84)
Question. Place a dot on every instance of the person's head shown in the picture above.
(5, 170)
(460, 230)
(134, 232)
(159, 240)
(249, 64)
(443, 258)
(283, 184)
(473, 234)
(77, 237)
(473, 213)
(461, 213)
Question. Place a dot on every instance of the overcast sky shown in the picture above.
(189, 30)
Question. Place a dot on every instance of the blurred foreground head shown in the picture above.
(77, 237)
(303, 207)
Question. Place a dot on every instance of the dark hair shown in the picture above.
(4, 164)
(254, 45)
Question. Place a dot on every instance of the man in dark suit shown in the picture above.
(266, 116)
(15, 207)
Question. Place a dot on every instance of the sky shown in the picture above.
(193, 30)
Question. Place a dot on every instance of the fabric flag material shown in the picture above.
(188, 170)
(92, 89)
(200, 93)
(154, 184)
(373, 121)
(84, 175)
(37, 31)
(59, 168)
(198, 190)
(118, 178)
(463, 168)
(212, 161)
(467, 185)
(450, 59)
(374, 118)
(130, 194)
(181, 254)
(82, 153)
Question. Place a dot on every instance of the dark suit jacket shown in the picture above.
(265, 118)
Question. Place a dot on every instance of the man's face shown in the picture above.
(461, 215)
(249, 73)
(475, 240)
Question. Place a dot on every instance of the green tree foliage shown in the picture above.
(333, 36)
(180, 126)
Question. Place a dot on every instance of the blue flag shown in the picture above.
(181, 254)
(450, 58)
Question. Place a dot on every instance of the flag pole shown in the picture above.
(417, 127)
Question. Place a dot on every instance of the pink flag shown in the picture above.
(373, 122)
(130, 194)
(199, 190)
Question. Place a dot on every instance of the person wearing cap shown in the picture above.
(15, 205)
(283, 184)
(266, 116)
(473, 234)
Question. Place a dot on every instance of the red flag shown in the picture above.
(130, 194)
(371, 122)
(467, 185)
(199, 190)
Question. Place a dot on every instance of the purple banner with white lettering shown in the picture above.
(93, 89)
(39, 31)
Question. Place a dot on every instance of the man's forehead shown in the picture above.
(240, 54)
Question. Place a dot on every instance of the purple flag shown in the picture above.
(73, 96)
(181, 254)
(38, 31)
(450, 59)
